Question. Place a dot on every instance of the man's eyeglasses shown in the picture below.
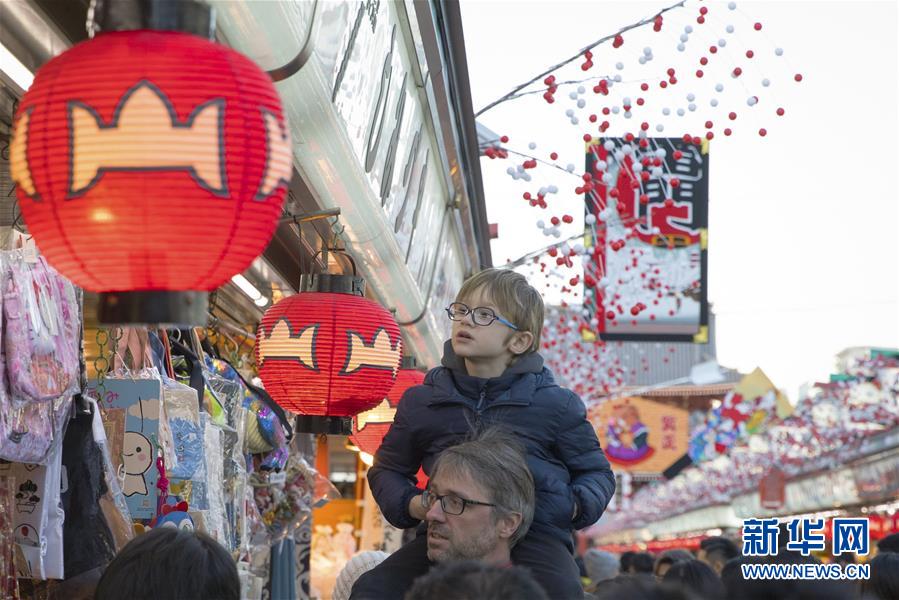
(450, 503)
(480, 315)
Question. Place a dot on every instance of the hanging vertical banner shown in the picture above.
(647, 223)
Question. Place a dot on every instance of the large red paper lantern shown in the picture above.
(328, 351)
(370, 427)
(151, 165)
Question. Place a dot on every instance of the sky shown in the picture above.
(803, 223)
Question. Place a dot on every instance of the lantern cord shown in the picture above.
(518, 88)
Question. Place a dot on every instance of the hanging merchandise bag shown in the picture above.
(41, 330)
(41, 366)
(136, 402)
(38, 516)
(183, 415)
(88, 542)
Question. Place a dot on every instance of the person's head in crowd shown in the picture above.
(480, 499)
(889, 544)
(884, 581)
(353, 570)
(170, 563)
(601, 565)
(639, 588)
(668, 558)
(716, 551)
(474, 580)
(697, 577)
(642, 564)
(624, 565)
(738, 588)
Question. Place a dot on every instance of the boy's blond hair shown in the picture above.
(515, 298)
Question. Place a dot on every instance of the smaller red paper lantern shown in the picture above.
(328, 352)
(370, 427)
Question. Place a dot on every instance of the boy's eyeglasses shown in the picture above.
(480, 315)
(450, 503)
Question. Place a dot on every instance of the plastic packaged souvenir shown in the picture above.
(41, 330)
(112, 501)
(183, 415)
(214, 513)
(38, 517)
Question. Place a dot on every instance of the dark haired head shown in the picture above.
(468, 579)
(642, 562)
(170, 563)
(697, 577)
(716, 551)
(889, 544)
(884, 581)
(625, 561)
(668, 558)
(638, 588)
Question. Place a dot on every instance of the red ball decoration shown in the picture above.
(370, 427)
(328, 354)
(151, 161)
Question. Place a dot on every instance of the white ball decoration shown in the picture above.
(684, 37)
(779, 51)
(574, 120)
(619, 65)
(627, 114)
(692, 107)
(568, 113)
(556, 233)
(766, 82)
(681, 112)
(581, 89)
(602, 165)
(581, 103)
(688, 29)
(590, 219)
(660, 128)
(691, 97)
(541, 224)
(642, 60)
(570, 168)
(719, 87)
(615, 110)
(638, 167)
(647, 51)
(532, 146)
(617, 78)
(511, 170)
(752, 101)
(666, 111)
(731, 5)
(714, 102)
(573, 95)
(722, 42)
(730, 29)
(609, 145)
(656, 172)
(681, 47)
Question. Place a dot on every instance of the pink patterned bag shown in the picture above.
(40, 330)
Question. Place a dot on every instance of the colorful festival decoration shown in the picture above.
(328, 354)
(150, 164)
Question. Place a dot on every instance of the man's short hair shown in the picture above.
(889, 544)
(516, 299)
(642, 562)
(467, 579)
(719, 549)
(495, 460)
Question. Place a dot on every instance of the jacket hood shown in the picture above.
(531, 362)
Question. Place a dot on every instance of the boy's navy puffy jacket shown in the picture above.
(563, 452)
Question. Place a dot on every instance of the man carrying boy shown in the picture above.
(493, 375)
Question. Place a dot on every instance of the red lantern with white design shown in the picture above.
(370, 427)
(151, 163)
(328, 353)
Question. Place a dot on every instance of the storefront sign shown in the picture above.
(878, 479)
(640, 435)
(650, 211)
(772, 489)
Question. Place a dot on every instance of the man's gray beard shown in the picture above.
(475, 549)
